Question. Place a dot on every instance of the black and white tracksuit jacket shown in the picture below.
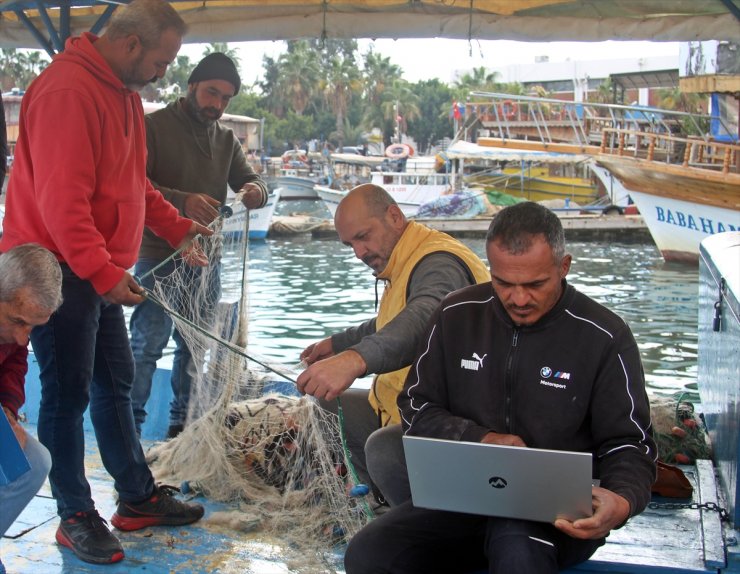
(572, 381)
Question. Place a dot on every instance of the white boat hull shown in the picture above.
(678, 227)
(332, 197)
(410, 189)
(259, 219)
(293, 187)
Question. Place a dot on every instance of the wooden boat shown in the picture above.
(531, 174)
(682, 201)
(685, 188)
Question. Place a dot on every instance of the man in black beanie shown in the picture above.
(192, 159)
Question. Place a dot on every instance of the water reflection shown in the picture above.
(301, 290)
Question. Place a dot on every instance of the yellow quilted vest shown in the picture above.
(417, 242)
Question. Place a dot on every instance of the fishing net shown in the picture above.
(678, 430)
(250, 440)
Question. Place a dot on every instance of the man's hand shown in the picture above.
(193, 255)
(329, 378)
(503, 439)
(201, 208)
(126, 292)
(610, 511)
(20, 434)
(252, 198)
(317, 351)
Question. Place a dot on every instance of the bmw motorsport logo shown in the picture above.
(545, 372)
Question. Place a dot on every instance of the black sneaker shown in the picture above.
(161, 508)
(87, 535)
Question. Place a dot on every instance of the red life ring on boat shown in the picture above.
(508, 109)
(399, 151)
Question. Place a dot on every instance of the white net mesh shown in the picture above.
(274, 455)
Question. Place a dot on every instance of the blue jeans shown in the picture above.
(151, 328)
(14, 497)
(85, 359)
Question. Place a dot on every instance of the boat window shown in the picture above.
(424, 180)
(409, 180)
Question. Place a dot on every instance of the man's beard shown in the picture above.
(133, 81)
(206, 116)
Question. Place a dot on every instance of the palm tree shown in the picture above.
(299, 74)
(341, 84)
(398, 104)
(379, 74)
(480, 80)
(18, 68)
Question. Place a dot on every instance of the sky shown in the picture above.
(423, 59)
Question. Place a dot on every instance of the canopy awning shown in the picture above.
(651, 79)
(31, 24)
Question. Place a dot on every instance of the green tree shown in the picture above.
(399, 105)
(18, 68)
(270, 86)
(379, 73)
(480, 80)
(433, 122)
(342, 83)
(175, 81)
(292, 130)
(604, 94)
(299, 76)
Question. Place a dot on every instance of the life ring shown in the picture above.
(294, 156)
(398, 151)
(509, 109)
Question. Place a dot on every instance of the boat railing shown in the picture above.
(550, 120)
(667, 148)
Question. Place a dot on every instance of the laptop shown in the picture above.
(494, 480)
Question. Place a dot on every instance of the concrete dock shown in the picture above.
(578, 227)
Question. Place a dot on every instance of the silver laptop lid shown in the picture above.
(495, 480)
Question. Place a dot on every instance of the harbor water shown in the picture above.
(303, 289)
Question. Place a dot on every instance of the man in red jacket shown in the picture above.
(30, 291)
(79, 188)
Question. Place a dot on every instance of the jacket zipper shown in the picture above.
(509, 377)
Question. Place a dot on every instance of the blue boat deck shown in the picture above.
(664, 541)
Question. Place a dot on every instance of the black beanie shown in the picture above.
(216, 66)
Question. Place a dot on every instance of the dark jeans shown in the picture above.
(151, 327)
(85, 359)
(408, 540)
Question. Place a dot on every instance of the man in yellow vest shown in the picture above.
(419, 267)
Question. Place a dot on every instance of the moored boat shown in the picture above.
(295, 186)
(411, 188)
(682, 201)
(259, 219)
(686, 188)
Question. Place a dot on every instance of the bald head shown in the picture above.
(370, 222)
(366, 200)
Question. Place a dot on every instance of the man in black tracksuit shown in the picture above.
(525, 360)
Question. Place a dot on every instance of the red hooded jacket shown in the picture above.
(79, 184)
(13, 367)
